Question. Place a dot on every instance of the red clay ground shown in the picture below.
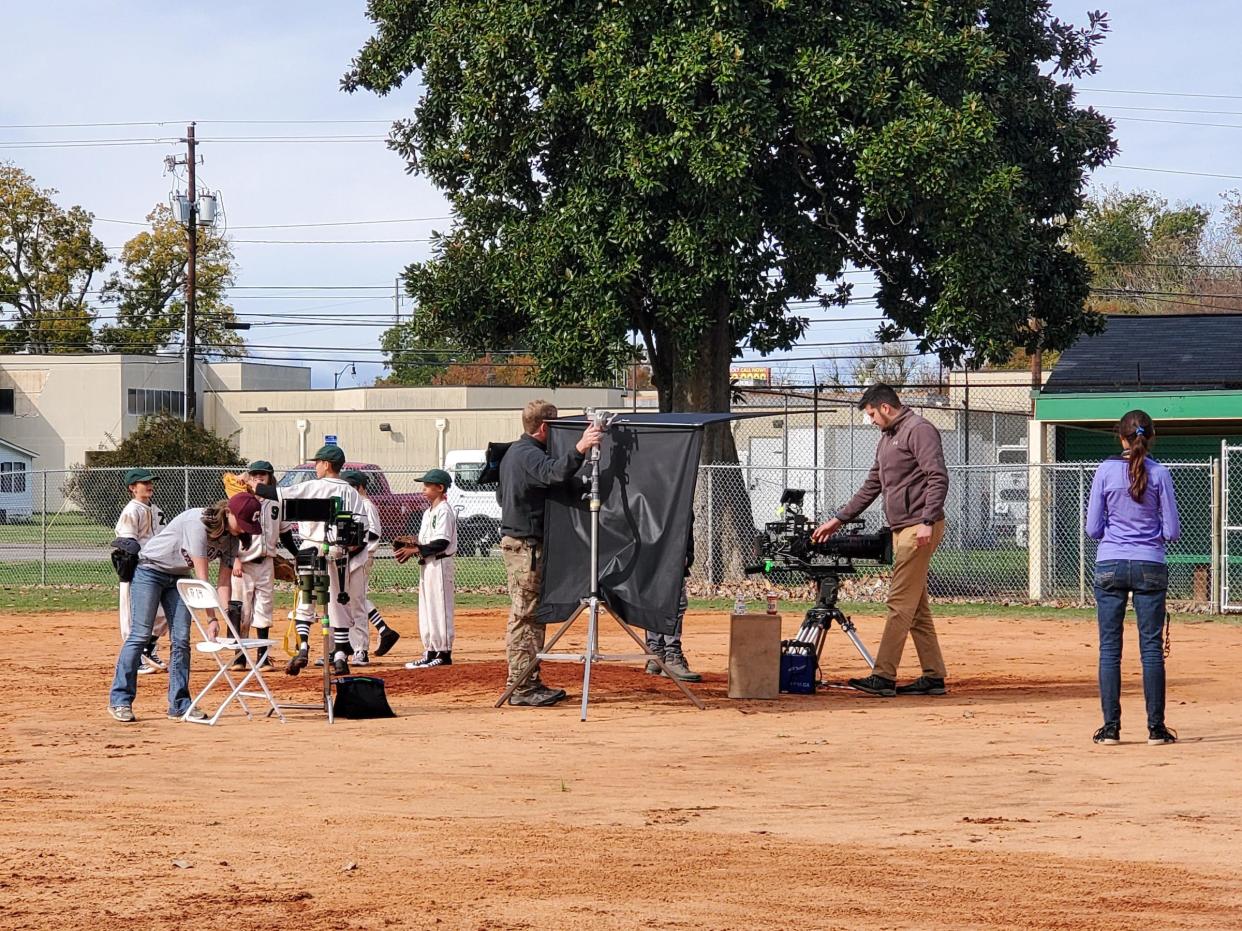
(989, 808)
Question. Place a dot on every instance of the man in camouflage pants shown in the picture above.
(526, 474)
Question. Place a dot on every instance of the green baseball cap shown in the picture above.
(333, 454)
(436, 477)
(260, 465)
(139, 475)
(355, 478)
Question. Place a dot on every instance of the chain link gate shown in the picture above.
(1231, 528)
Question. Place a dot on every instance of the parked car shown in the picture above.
(478, 512)
(400, 512)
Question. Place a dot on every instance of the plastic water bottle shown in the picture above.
(739, 605)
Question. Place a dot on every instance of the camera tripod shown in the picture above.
(312, 590)
(820, 616)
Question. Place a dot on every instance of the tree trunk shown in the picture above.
(724, 526)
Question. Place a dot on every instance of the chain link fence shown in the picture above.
(57, 527)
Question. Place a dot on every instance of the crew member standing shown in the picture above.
(526, 474)
(909, 472)
(140, 520)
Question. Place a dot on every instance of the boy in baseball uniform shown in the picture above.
(254, 572)
(437, 543)
(360, 576)
(141, 520)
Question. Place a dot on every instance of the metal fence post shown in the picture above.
(43, 561)
(1082, 537)
(711, 529)
(185, 474)
(1216, 576)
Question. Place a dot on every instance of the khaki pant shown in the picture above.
(523, 636)
(909, 610)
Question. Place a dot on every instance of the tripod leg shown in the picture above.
(530, 670)
(848, 626)
(592, 648)
(659, 660)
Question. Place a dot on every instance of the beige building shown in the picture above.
(63, 406)
(392, 427)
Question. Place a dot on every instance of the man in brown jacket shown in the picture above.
(909, 472)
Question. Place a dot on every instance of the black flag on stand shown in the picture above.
(648, 467)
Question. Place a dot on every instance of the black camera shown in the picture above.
(786, 544)
(344, 528)
(347, 531)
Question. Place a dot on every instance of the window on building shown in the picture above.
(12, 478)
(155, 401)
(6, 400)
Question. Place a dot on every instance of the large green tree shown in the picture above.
(684, 168)
(149, 291)
(48, 259)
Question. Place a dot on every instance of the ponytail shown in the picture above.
(216, 519)
(1138, 430)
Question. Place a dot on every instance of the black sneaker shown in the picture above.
(340, 666)
(1161, 735)
(923, 685)
(1108, 734)
(361, 658)
(299, 661)
(875, 685)
(539, 697)
(388, 639)
(239, 661)
(421, 663)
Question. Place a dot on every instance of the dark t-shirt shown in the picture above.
(526, 474)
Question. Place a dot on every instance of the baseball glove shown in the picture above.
(284, 570)
(404, 548)
(233, 484)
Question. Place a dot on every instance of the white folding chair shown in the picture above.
(199, 597)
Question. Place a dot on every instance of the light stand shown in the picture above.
(592, 604)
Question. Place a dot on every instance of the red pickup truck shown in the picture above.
(400, 512)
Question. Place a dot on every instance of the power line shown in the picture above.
(277, 226)
(1105, 90)
(1176, 171)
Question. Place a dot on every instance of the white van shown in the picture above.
(478, 511)
(1009, 495)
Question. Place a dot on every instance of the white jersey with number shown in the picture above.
(265, 544)
(139, 521)
(439, 523)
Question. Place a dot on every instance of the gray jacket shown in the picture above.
(909, 471)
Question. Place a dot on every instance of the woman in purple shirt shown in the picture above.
(1133, 514)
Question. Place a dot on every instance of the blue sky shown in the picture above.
(135, 60)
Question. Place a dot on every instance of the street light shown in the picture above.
(336, 379)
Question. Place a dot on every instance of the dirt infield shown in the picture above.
(987, 808)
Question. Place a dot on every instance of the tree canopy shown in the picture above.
(1150, 256)
(149, 291)
(684, 168)
(48, 259)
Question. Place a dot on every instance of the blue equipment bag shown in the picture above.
(799, 667)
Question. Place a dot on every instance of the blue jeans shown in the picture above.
(150, 589)
(1148, 582)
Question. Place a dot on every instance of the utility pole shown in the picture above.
(191, 282)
